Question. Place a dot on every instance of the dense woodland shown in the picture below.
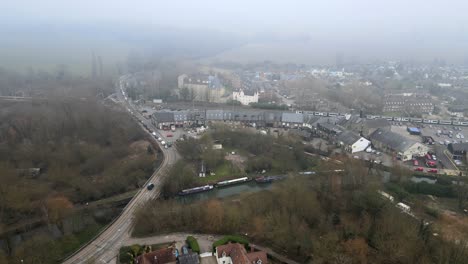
(85, 152)
(312, 220)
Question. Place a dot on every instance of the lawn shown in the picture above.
(225, 171)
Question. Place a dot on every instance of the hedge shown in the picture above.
(227, 239)
(193, 244)
(432, 189)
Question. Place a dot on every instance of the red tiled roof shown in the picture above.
(259, 255)
(239, 255)
(161, 256)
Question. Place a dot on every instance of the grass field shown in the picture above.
(225, 171)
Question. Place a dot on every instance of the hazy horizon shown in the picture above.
(300, 31)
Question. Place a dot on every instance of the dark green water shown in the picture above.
(227, 191)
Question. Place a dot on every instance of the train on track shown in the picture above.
(390, 118)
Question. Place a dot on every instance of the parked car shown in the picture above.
(169, 135)
(419, 169)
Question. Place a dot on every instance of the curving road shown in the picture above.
(105, 246)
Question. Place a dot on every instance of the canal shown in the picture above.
(226, 191)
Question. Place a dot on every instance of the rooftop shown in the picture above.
(292, 118)
(392, 140)
(348, 137)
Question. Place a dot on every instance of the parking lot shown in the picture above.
(442, 136)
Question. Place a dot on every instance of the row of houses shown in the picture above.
(353, 133)
(231, 253)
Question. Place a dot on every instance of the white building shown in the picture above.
(245, 98)
(352, 142)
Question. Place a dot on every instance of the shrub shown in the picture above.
(227, 239)
(396, 189)
(193, 244)
(432, 189)
(432, 211)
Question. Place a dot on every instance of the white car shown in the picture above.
(159, 139)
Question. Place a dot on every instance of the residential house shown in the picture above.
(403, 147)
(235, 253)
(365, 127)
(162, 119)
(329, 130)
(160, 256)
(292, 119)
(352, 142)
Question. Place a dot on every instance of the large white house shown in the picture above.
(245, 98)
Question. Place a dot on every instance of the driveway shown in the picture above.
(205, 241)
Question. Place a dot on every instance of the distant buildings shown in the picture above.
(410, 103)
(235, 253)
(202, 87)
(245, 98)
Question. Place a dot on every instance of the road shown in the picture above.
(105, 246)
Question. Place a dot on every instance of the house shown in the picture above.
(235, 253)
(352, 142)
(458, 150)
(292, 119)
(329, 129)
(160, 256)
(405, 148)
(245, 97)
(365, 127)
(162, 119)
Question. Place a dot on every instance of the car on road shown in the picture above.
(169, 135)
(432, 170)
(159, 139)
(150, 186)
(419, 169)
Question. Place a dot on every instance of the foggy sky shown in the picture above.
(356, 24)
